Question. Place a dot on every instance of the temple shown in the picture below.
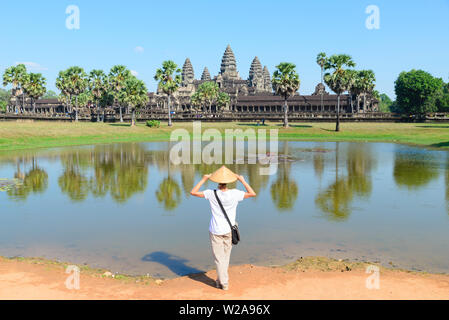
(255, 94)
(251, 96)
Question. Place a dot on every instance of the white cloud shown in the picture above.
(134, 73)
(139, 49)
(33, 66)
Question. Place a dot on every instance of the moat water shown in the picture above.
(125, 208)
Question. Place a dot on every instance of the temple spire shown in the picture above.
(187, 73)
(206, 75)
(228, 67)
(267, 79)
(255, 73)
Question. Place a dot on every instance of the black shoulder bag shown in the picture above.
(234, 229)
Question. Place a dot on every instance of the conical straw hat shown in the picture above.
(223, 175)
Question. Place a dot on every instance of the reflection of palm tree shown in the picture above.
(120, 170)
(169, 193)
(335, 200)
(130, 180)
(284, 192)
(413, 172)
(34, 181)
(359, 166)
(318, 164)
(74, 184)
(187, 178)
(37, 179)
(256, 180)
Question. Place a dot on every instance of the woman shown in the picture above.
(219, 229)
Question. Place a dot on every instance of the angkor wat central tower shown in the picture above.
(228, 69)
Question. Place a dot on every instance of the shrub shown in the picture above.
(153, 123)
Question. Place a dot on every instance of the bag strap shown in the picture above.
(222, 209)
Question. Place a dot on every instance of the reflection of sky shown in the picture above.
(406, 226)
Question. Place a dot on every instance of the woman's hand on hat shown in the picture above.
(240, 178)
(207, 176)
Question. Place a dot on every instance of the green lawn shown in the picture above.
(28, 135)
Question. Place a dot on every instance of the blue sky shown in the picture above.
(412, 34)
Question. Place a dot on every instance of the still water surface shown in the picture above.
(125, 208)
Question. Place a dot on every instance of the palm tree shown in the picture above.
(321, 61)
(223, 100)
(196, 101)
(134, 95)
(35, 87)
(72, 82)
(83, 100)
(352, 80)
(367, 79)
(62, 85)
(169, 77)
(208, 93)
(117, 77)
(285, 83)
(16, 76)
(356, 89)
(339, 79)
(97, 86)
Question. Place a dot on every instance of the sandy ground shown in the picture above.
(23, 280)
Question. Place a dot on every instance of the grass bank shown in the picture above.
(29, 135)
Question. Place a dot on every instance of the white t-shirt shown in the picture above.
(230, 198)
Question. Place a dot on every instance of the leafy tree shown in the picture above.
(338, 80)
(209, 93)
(117, 77)
(5, 97)
(321, 61)
(385, 103)
(169, 77)
(34, 87)
(134, 95)
(223, 100)
(97, 86)
(417, 92)
(441, 98)
(285, 82)
(16, 76)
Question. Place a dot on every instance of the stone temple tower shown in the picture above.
(187, 73)
(267, 80)
(206, 75)
(228, 69)
(255, 78)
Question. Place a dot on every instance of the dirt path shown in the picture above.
(23, 280)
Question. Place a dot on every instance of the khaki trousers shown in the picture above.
(221, 249)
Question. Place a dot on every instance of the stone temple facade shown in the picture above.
(228, 80)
